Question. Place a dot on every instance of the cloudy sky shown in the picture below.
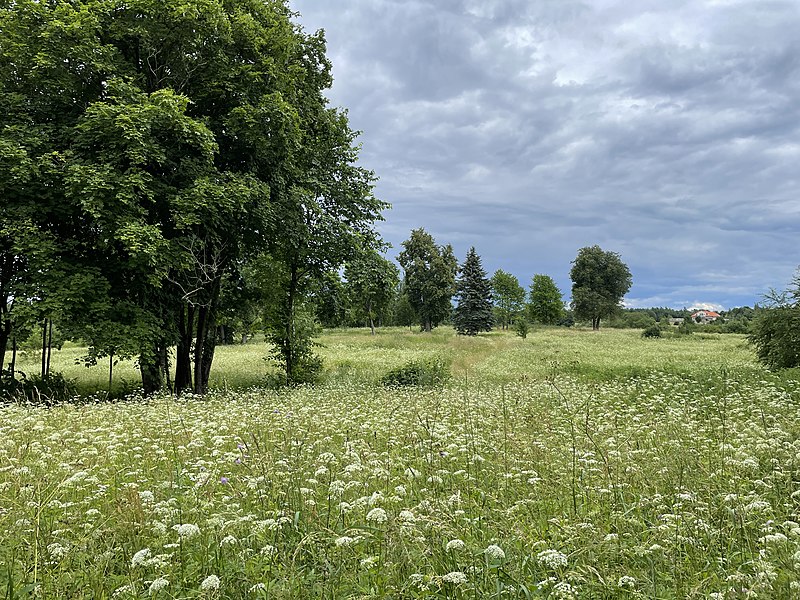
(668, 132)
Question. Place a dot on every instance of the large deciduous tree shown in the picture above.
(508, 296)
(599, 281)
(546, 304)
(473, 312)
(159, 147)
(430, 273)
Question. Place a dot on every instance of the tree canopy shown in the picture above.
(599, 281)
(430, 273)
(546, 303)
(148, 152)
(508, 296)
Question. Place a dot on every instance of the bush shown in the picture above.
(428, 372)
(522, 327)
(776, 337)
(654, 331)
(48, 390)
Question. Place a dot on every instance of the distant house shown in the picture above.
(675, 321)
(705, 316)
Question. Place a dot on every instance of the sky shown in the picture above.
(667, 132)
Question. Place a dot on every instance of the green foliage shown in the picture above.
(430, 275)
(508, 296)
(522, 327)
(473, 313)
(428, 372)
(371, 283)
(293, 347)
(51, 389)
(653, 331)
(599, 281)
(775, 331)
(546, 303)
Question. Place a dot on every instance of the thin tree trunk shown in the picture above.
(5, 334)
(49, 346)
(371, 322)
(289, 345)
(43, 371)
(110, 372)
(199, 345)
(13, 357)
(183, 357)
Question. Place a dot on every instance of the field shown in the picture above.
(569, 465)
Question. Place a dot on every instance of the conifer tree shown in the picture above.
(474, 311)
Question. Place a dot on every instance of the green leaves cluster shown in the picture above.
(599, 281)
(149, 152)
(430, 273)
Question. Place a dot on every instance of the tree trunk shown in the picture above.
(208, 358)
(49, 346)
(43, 371)
(150, 366)
(371, 322)
(5, 335)
(289, 345)
(199, 344)
(13, 356)
(110, 372)
(183, 356)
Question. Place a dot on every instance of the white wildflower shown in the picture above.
(158, 585)
(186, 530)
(57, 551)
(564, 591)
(344, 540)
(626, 581)
(406, 516)
(495, 552)
(259, 587)
(552, 559)
(377, 515)
(140, 557)
(368, 562)
(228, 540)
(210, 583)
(455, 545)
(455, 577)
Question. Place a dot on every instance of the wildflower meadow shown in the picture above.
(570, 464)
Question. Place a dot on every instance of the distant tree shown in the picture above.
(371, 281)
(430, 274)
(522, 327)
(473, 313)
(775, 329)
(508, 296)
(599, 281)
(546, 304)
(400, 311)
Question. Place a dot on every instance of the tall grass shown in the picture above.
(567, 465)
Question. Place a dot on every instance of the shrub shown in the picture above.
(427, 373)
(776, 337)
(522, 327)
(654, 331)
(51, 389)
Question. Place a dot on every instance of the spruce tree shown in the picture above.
(474, 311)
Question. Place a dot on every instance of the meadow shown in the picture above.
(571, 464)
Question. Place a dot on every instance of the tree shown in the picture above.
(473, 313)
(775, 329)
(599, 281)
(430, 273)
(371, 282)
(508, 296)
(546, 304)
(159, 150)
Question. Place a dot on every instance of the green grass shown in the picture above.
(569, 465)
